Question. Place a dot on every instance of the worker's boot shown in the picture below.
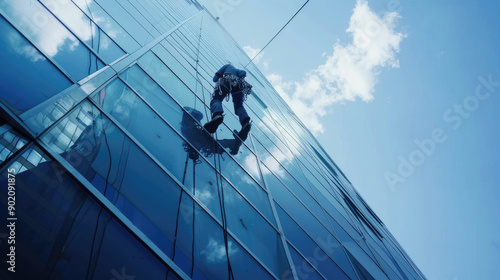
(246, 125)
(212, 125)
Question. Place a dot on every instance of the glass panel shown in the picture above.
(201, 239)
(304, 270)
(49, 35)
(160, 100)
(136, 15)
(128, 22)
(247, 186)
(102, 153)
(178, 118)
(243, 266)
(85, 29)
(64, 233)
(162, 74)
(98, 150)
(45, 117)
(107, 23)
(253, 231)
(356, 248)
(273, 168)
(314, 253)
(21, 63)
(10, 142)
(391, 271)
(154, 134)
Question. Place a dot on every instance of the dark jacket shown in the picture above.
(229, 69)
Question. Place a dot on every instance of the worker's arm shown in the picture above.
(241, 73)
(219, 73)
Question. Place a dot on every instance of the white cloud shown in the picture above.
(204, 195)
(251, 52)
(47, 33)
(216, 252)
(250, 163)
(23, 48)
(349, 73)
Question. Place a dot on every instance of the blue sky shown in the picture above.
(409, 111)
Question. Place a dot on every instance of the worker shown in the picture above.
(229, 80)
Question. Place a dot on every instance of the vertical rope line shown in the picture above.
(185, 168)
(224, 219)
(194, 208)
(105, 190)
(196, 69)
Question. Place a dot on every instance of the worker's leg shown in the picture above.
(241, 112)
(216, 108)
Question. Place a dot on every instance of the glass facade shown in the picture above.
(102, 103)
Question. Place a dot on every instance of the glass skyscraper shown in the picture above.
(108, 174)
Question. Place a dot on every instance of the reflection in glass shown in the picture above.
(127, 177)
(114, 165)
(21, 62)
(85, 29)
(10, 142)
(49, 35)
(302, 267)
(253, 231)
(100, 17)
(42, 118)
(64, 233)
(126, 20)
(320, 257)
(165, 77)
(172, 113)
(182, 161)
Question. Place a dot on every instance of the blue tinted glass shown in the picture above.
(253, 231)
(162, 74)
(21, 62)
(209, 248)
(45, 116)
(143, 223)
(304, 269)
(150, 13)
(391, 271)
(305, 219)
(136, 15)
(247, 186)
(102, 153)
(10, 142)
(126, 20)
(154, 134)
(184, 70)
(85, 29)
(157, 97)
(312, 251)
(48, 34)
(178, 118)
(108, 24)
(243, 266)
(274, 168)
(63, 233)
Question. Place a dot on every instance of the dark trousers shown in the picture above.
(222, 89)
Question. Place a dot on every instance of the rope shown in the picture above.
(277, 33)
(220, 189)
(196, 69)
(218, 174)
(194, 208)
(185, 168)
(105, 189)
